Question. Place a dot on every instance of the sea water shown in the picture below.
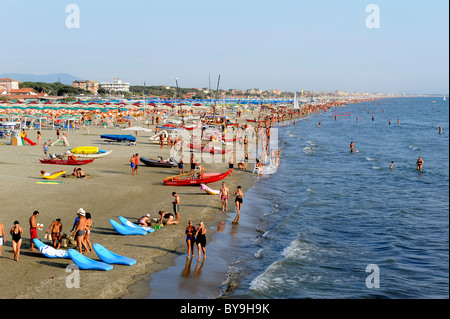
(335, 224)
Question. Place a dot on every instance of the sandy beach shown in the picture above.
(109, 191)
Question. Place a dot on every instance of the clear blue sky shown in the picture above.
(283, 44)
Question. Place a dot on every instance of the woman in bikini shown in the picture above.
(16, 233)
(190, 239)
(239, 195)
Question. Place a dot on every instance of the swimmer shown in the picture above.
(391, 166)
(352, 147)
(440, 130)
(419, 163)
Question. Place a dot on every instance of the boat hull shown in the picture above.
(207, 178)
(66, 162)
(155, 163)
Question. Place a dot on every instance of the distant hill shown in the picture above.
(64, 78)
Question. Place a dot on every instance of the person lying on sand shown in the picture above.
(78, 172)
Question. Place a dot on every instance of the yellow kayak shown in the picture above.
(52, 175)
(84, 150)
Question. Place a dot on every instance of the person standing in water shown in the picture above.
(200, 234)
(352, 147)
(419, 163)
(190, 239)
(239, 195)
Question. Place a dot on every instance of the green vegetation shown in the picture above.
(169, 92)
(56, 88)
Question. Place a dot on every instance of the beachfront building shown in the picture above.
(23, 91)
(116, 86)
(6, 85)
(86, 85)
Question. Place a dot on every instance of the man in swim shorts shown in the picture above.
(33, 229)
(176, 206)
(80, 230)
(224, 194)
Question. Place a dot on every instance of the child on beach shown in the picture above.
(45, 148)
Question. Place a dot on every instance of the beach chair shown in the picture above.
(257, 170)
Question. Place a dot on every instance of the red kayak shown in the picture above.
(66, 161)
(186, 180)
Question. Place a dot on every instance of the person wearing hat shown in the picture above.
(145, 221)
(80, 230)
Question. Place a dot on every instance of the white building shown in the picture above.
(115, 86)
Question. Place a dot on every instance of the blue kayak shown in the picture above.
(125, 222)
(49, 251)
(124, 230)
(111, 258)
(86, 263)
(119, 137)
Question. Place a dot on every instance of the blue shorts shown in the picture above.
(133, 165)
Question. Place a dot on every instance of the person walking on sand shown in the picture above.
(33, 228)
(2, 237)
(80, 230)
(133, 164)
(238, 200)
(176, 206)
(16, 233)
(56, 228)
(45, 148)
(181, 165)
(190, 239)
(419, 163)
(224, 195)
(39, 138)
(200, 235)
(231, 163)
(136, 163)
(193, 164)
